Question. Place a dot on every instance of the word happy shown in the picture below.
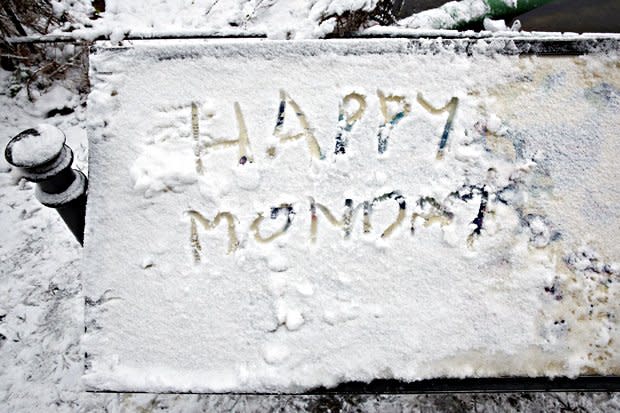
(393, 109)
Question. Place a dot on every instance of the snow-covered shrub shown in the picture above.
(36, 65)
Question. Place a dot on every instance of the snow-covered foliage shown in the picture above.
(290, 19)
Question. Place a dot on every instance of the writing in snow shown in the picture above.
(352, 108)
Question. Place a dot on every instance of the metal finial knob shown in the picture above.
(40, 155)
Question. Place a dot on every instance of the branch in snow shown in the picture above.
(348, 16)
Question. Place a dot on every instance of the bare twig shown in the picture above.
(33, 76)
(16, 23)
(211, 7)
(14, 56)
(60, 68)
(351, 21)
(13, 18)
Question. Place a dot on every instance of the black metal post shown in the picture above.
(41, 156)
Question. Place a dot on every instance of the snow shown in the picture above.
(500, 26)
(37, 146)
(339, 7)
(161, 169)
(252, 291)
(57, 98)
(448, 16)
(77, 188)
(495, 25)
(278, 19)
(41, 297)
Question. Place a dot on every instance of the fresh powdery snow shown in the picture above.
(41, 268)
(276, 216)
(37, 145)
(448, 16)
(278, 19)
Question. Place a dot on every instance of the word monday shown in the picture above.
(428, 210)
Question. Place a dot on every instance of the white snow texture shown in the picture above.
(258, 280)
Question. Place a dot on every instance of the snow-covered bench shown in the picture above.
(279, 216)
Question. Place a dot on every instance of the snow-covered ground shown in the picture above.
(276, 18)
(41, 301)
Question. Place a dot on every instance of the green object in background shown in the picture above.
(501, 8)
(457, 14)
